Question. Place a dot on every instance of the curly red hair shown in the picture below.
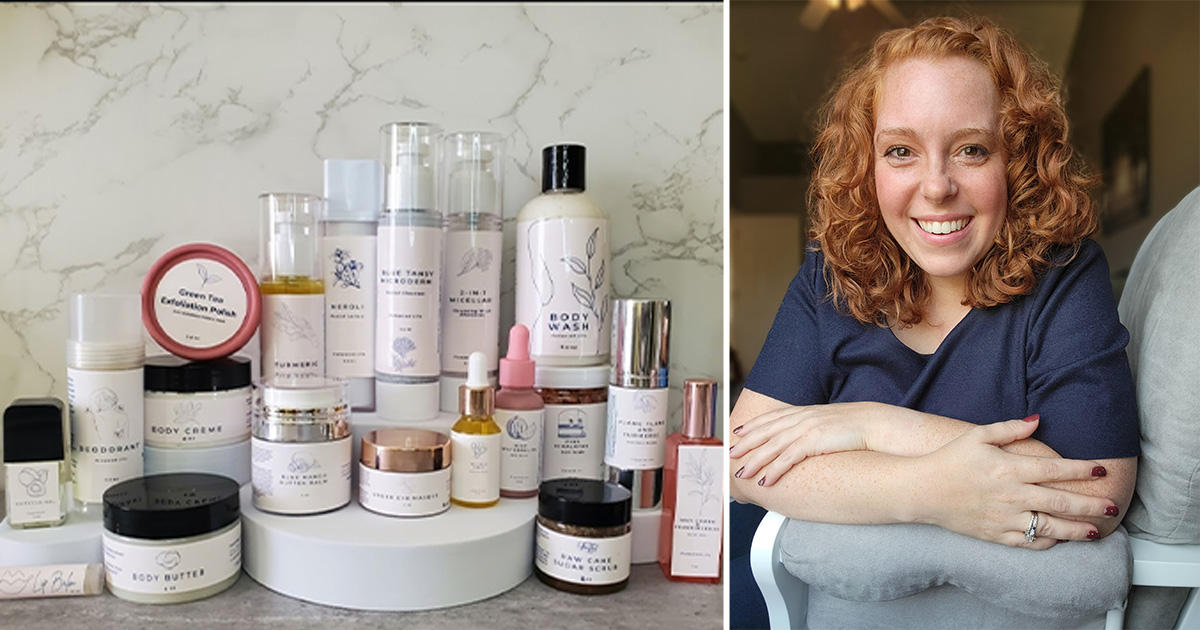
(869, 274)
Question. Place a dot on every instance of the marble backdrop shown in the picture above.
(128, 130)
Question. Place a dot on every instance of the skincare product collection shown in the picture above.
(370, 298)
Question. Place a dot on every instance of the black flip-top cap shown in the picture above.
(586, 502)
(563, 167)
(33, 430)
(169, 373)
(174, 505)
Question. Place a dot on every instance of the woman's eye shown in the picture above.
(900, 152)
(974, 151)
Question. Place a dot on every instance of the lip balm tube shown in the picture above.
(60, 580)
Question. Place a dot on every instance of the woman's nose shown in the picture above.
(938, 183)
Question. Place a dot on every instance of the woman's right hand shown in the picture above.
(977, 489)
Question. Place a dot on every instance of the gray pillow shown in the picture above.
(871, 563)
(1160, 306)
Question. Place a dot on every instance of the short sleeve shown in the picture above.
(790, 366)
(1077, 374)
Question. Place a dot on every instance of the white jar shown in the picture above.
(405, 472)
(301, 447)
(172, 538)
(196, 404)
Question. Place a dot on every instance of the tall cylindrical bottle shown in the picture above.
(474, 184)
(105, 354)
(353, 197)
(520, 413)
(637, 398)
(689, 540)
(564, 266)
(408, 305)
(293, 292)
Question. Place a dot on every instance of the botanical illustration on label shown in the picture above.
(154, 569)
(404, 494)
(200, 303)
(409, 302)
(520, 449)
(475, 460)
(300, 477)
(471, 306)
(637, 428)
(293, 336)
(696, 532)
(107, 414)
(195, 420)
(563, 286)
(349, 306)
(574, 441)
(33, 495)
(581, 560)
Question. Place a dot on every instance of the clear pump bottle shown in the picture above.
(293, 292)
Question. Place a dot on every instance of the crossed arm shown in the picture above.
(876, 463)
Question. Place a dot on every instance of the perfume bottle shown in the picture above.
(475, 441)
(293, 292)
(409, 300)
(34, 463)
(353, 196)
(474, 176)
(689, 541)
(519, 411)
(105, 390)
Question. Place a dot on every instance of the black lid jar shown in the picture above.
(584, 542)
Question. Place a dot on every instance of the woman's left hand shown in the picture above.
(776, 441)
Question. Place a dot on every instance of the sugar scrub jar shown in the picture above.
(584, 542)
(405, 472)
(576, 400)
(172, 538)
(301, 446)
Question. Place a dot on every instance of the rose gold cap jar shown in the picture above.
(405, 472)
(406, 450)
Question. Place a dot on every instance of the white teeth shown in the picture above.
(942, 227)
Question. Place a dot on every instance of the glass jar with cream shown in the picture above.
(172, 538)
(584, 541)
(301, 446)
(405, 472)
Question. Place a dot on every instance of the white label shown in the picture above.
(33, 493)
(574, 442)
(43, 581)
(106, 429)
(563, 280)
(696, 532)
(476, 463)
(471, 305)
(299, 477)
(582, 560)
(407, 333)
(197, 420)
(520, 449)
(349, 306)
(200, 303)
(637, 428)
(293, 336)
(156, 569)
(404, 494)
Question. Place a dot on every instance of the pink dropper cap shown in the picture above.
(516, 369)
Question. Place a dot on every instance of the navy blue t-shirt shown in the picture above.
(1058, 352)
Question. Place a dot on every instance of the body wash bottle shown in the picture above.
(473, 171)
(105, 355)
(519, 412)
(353, 191)
(293, 293)
(475, 441)
(689, 541)
(34, 464)
(563, 266)
(408, 305)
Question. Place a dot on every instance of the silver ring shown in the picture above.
(1031, 531)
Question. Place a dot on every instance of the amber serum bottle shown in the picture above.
(475, 441)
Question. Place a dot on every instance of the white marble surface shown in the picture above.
(128, 130)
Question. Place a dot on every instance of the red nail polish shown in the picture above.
(762, 481)
(1093, 535)
(1099, 471)
(738, 429)
(1111, 510)
(738, 474)
(1031, 418)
